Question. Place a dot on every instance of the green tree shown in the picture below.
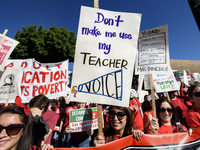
(52, 45)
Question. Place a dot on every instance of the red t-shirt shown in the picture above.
(180, 107)
(193, 117)
(67, 115)
(145, 118)
(165, 129)
(137, 116)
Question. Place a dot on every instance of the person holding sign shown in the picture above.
(167, 119)
(193, 116)
(121, 124)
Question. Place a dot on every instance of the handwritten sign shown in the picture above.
(104, 57)
(41, 78)
(153, 51)
(165, 82)
(81, 119)
(7, 45)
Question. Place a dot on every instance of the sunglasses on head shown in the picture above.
(169, 110)
(197, 94)
(120, 115)
(12, 129)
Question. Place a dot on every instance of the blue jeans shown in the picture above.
(79, 143)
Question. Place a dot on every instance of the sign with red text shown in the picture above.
(7, 45)
(81, 119)
(105, 55)
(10, 83)
(153, 51)
(195, 76)
(41, 78)
(179, 75)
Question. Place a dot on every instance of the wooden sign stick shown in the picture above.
(99, 107)
(168, 96)
(153, 99)
(4, 33)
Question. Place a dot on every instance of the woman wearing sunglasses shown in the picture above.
(16, 129)
(167, 118)
(121, 124)
(193, 116)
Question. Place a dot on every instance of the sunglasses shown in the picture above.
(169, 110)
(120, 115)
(197, 94)
(12, 129)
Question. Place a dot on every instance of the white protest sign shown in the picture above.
(133, 93)
(81, 119)
(165, 82)
(153, 51)
(140, 82)
(179, 75)
(185, 79)
(147, 85)
(41, 78)
(104, 58)
(10, 83)
(195, 76)
(7, 45)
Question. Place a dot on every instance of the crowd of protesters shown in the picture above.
(41, 125)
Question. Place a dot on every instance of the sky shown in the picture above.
(184, 36)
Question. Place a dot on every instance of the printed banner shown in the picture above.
(165, 82)
(104, 58)
(10, 83)
(179, 75)
(174, 141)
(81, 119)
(41, 78)
(153, 51)
(195, 76)
(7, 45)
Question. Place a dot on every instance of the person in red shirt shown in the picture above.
(135, 105)
(167, 118)
(193, 116)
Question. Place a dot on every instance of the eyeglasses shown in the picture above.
(169, 110)
(120, 115)
(197, 94)
(12, 129)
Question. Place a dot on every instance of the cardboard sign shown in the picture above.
(7, 45)
(104, 58)
(165, 82)
(41, 78)
(10, 83)
(81, 119)
(153, 51)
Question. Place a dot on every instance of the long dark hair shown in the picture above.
(129, 124)
(191, 89)
(25, 141)
(174, 114)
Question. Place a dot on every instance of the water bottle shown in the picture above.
(179, 127)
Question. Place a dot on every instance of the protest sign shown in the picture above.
(81, 119)
(147, 85)
(10, 83)
(142, 94)
(104, 58)
(7, 45)
(41, 78)
(153, 51)
(133, 93)
(140, 82)
(173, 141)
(195, 76)
(179, 75)
(165, 82)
